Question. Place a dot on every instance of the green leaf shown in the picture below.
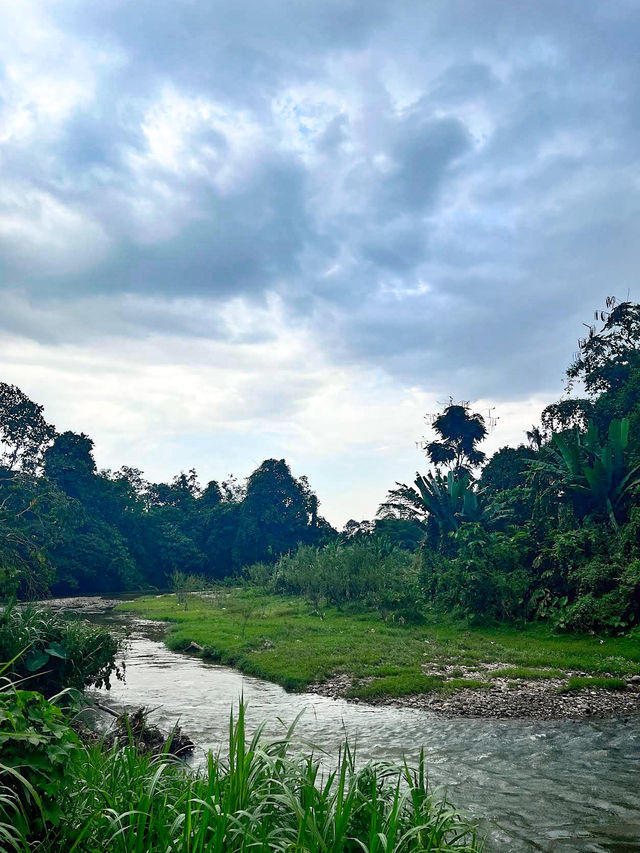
(36, 660)
(58, 651)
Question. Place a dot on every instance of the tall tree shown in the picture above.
(24, 433)
(608, 355)
(460, 432)
(274, 517)
(69, 463)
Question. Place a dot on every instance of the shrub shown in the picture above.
(37, 749)
(486, 579)
(375, 574)
(51, 653)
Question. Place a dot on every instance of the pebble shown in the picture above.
(533, 700)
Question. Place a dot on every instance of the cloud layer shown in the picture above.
(273, 206)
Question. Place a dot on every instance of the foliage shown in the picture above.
(50, 653)
(566, 414)
(486, 579)
(508, 468)
(184, 586)
(449, 501)
(67, 528)
(24, 433)
(371, 573)
(607, 356)
(38, 750)
(277, 512)
(598, 475)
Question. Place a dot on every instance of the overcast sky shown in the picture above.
(240, 229)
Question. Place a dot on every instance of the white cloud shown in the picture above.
(230, 231)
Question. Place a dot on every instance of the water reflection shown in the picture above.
(557, 787)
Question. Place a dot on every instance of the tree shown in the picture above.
(24, 433)
(573, 413)
(607, 356)
(508, 468)
(449, 500)
(211, 496)
(275, 514)
(535, 437)
(70, 464)
(460, 432)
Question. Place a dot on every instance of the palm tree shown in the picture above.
(535, 437)
(449, 500)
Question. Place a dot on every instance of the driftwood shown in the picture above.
(133, 728)
(107, 710)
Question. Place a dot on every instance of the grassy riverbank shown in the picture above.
(284, 640)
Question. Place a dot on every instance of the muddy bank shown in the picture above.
(502, 700)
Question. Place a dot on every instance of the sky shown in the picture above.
(232, 230)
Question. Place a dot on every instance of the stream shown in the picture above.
(550, 786)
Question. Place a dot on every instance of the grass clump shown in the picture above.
(465, 684)
(527, 673)
(406, 684)
(576, 683)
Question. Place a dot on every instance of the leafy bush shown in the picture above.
(372, 573)
(589, 578)
(37, 749)
(51, 653)
(184, 586)
(485, 580)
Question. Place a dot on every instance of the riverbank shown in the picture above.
(446, 668)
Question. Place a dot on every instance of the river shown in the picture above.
(547, 786)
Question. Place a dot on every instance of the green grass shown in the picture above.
(406, 684)
(258, 797)
(576, 683)
(526, 673)
(280, 639)
(466, 684)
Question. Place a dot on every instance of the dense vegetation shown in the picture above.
(67, 528)
(548, 530)
(47, 653)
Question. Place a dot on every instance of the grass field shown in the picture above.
(284, 640)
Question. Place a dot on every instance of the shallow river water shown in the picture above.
(560, 786)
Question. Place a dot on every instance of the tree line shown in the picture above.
(66, 527)
(549, 529)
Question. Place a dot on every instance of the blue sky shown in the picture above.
(237, 230)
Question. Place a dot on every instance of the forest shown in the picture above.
(549, 530)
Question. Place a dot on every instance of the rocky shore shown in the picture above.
(502, 699)
(87, 604)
